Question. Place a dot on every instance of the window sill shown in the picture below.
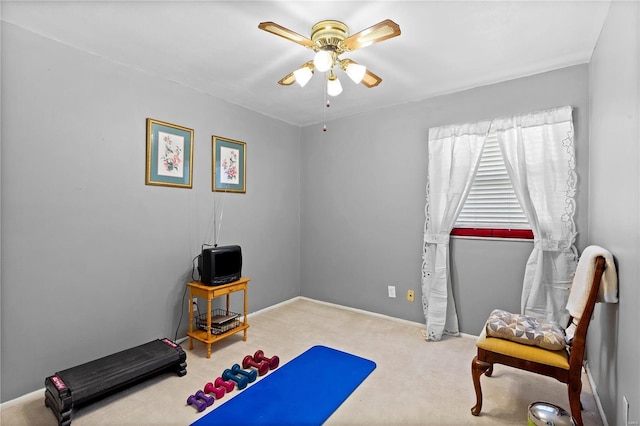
(493, 233)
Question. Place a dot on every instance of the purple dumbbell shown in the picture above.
(193, 400)
(206, 398)
(218, 392)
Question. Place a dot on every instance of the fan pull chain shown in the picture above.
(327, 105)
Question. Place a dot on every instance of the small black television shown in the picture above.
(220, 265)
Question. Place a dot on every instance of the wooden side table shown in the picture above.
(197, 289)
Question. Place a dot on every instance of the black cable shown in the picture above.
(175, 339)
(193, 267)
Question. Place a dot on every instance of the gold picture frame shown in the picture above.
(169, 154)
(229, 165)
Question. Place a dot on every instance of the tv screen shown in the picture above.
(220, 265)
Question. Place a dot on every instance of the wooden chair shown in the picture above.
(563, 365)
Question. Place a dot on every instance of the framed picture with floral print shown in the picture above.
(229, 166)
(169, 154)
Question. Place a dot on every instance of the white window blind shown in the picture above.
(492, 203)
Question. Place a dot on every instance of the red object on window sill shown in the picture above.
(526, 234)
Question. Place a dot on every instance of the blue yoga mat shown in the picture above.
(304, 391)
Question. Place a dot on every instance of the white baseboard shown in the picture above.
(277, 305)
(468, 336)
(375, 314)
(362, 311)
(595, 394)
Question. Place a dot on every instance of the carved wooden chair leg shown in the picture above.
(489, 372)
(477, 369)
(575, 389)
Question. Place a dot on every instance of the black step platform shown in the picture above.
(80, 385)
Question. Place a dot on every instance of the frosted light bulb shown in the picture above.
(303, 75)
(334, 88)
(356, 72)
(323, 60)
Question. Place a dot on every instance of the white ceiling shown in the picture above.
(216, 47)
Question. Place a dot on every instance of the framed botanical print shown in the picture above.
(229, 165)
(169, 154)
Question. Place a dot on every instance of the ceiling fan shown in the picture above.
(329, 39)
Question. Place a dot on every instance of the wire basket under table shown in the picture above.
(221, 321)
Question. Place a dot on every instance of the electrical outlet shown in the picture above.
(195, 300)
(410, 295)
(392, 290)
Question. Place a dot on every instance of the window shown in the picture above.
(492, 209)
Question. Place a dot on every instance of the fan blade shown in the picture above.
(283, 32)
(370, 79)
(290, 78)
(287, 80)
(379, 32)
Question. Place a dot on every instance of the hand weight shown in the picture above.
(274, 361)
(218, 392)
(199, 404)
(241, 381)
(207, 399)
(251, 375)
(262, 366)
(220, 383)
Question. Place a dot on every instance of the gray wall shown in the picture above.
(614, 211)
(73, 197)
(363, 199)
(93, 260)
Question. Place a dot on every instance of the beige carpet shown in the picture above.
(415, 383)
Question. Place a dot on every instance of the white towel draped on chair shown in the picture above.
(584, 275)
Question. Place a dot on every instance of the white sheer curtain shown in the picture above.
(539, 155)
(454, 155)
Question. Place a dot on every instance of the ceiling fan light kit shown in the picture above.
(323, 60)
(356, 72)
(334, 88)
(303, 75)
(329, 39)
